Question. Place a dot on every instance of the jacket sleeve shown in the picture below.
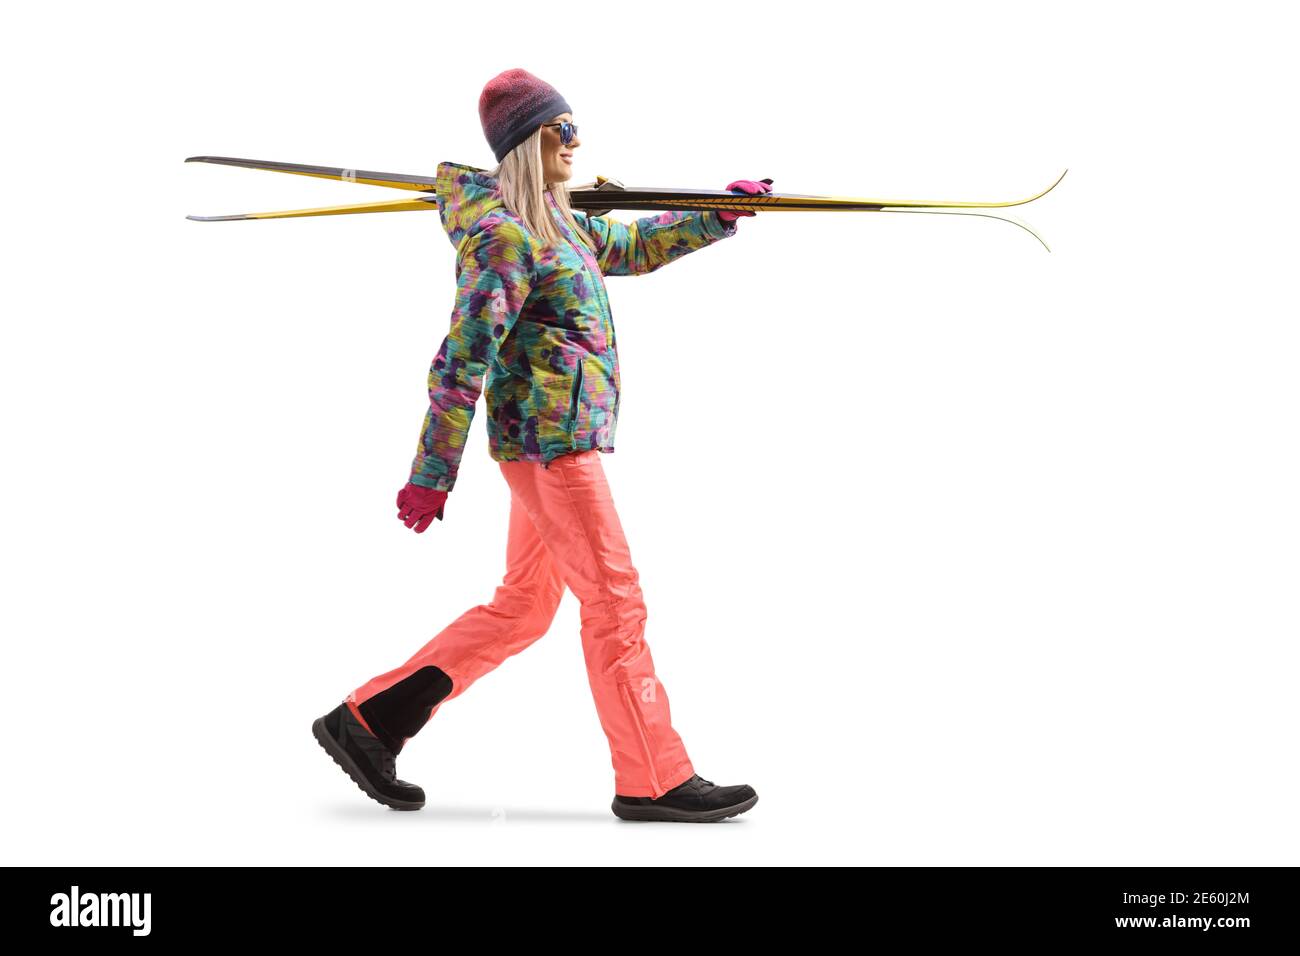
(633, 249)
(494, 275)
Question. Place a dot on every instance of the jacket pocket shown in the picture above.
(575, 402)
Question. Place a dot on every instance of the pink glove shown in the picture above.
(744, 186)
(417, 506)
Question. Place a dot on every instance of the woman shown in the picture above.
(532, 315)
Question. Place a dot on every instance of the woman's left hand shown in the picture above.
(749, 187)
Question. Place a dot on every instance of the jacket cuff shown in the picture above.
(425, 481)
(716, 226)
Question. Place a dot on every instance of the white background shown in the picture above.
(957, 550)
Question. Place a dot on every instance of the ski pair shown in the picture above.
(605, 194)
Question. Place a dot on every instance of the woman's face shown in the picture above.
(556, 157)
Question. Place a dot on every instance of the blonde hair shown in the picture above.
(521, 179)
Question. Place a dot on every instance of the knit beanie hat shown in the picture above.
(512, 105)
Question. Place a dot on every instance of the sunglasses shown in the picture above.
(567, 131)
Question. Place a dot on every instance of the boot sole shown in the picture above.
(340, 757)
(676, 815)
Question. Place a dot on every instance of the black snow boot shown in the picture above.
(695, 801)
(365, 759)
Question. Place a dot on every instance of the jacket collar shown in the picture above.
(465, 194)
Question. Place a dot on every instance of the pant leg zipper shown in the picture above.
(641, 732)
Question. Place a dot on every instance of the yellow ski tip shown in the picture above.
(393, 205)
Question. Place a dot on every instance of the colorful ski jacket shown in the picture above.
(536, 321)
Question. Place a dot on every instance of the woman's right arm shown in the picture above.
(494, 274)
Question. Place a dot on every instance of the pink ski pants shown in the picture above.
(564, 530)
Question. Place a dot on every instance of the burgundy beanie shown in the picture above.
(512, 105)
